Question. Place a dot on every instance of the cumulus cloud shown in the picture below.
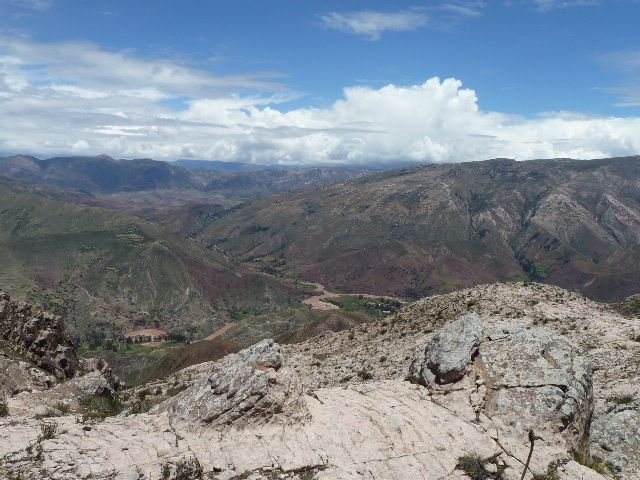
(372, 24)
(77, 98)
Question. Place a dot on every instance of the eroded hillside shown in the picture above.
(433, 229)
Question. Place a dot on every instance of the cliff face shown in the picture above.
(38, 336)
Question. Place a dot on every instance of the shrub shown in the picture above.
(594, 463)
(99, 407)
(63, 408)
(621, 399)
(142, 394)
(142, 406)
(176, 389)
(365, 374)
(48, 431)
(184, 470)
(4, 410)
(474, 467)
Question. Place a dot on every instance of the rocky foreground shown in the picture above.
(486, 383)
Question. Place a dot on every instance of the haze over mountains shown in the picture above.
(103, 174)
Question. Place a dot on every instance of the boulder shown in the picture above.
(17, 376)
(615, 437)
(449, 353)
(537, 379)
(250, 384)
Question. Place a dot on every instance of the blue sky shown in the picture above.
(320, 81)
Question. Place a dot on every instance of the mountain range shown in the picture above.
(105, 175)
(418, 231)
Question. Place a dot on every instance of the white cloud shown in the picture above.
(62, 98)
(27, 4)
(548, 5)
(372, 24)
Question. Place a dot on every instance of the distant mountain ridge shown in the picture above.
(104, 175)
(432, 229)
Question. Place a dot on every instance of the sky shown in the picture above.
(320, 81)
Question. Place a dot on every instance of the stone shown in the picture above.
(447, 356)
(38, 335)
(615, 437)
(251, 383)
(538, 380)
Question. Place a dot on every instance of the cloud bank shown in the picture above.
(76, 98)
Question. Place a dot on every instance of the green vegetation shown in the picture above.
(623, 399)
(475, 468)
(184, 470)
(594, 463)
(62, 408)
(99, 407)
(47, 431)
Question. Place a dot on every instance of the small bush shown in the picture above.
(142, 394)
(99, 407)
(63, 408)
(365, 374)
(621, 399)
(184, 470)
(176, 389)
(4, 410)
(142, 406)
(474, 467)
(48, 431)
(594, 463)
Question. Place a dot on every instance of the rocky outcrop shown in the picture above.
(37, 335)
(18, 376)
(447, 356)
(250, 385)
(536, 379)
(616, 437)
(498, 366)
(99, 379)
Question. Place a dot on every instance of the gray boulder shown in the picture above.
(250, 384)
(538, 379)
(449, 353)
(616, 437)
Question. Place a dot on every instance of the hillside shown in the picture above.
(425, 230)
(109, 272)
(496, 382)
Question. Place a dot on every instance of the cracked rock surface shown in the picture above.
(488, 365)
